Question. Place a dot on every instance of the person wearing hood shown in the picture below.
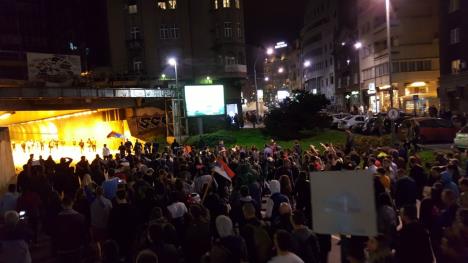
(229, 248)
(274, 202)
(447, 182)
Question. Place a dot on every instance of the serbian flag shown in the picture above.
(217, 169)
(114, 134)
(226, 168)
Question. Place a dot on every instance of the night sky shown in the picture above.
(271, 21)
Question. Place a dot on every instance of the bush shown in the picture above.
(296, 114)
(364, 143)
(211, 140)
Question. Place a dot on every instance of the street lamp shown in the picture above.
(307, 63)
(270, 51)
(389, 46)
(173, 62)
(281, 70)
(358, 45)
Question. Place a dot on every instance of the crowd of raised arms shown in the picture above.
(192, 204)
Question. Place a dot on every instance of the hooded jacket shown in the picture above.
(275, 201)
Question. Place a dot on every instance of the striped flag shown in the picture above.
(114, 134)
(226, 168)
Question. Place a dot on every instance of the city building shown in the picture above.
(453, 55)
(328, 39)
(318, 40)
(414, 53)
(282, 72)
(346, 56)
(206, 37)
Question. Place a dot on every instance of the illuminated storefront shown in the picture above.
(379, 98)
(418, 97)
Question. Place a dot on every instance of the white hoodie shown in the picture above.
(275, 187)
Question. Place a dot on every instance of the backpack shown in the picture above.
(309, 250)
(263, 243)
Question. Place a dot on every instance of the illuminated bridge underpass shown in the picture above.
(52, 121)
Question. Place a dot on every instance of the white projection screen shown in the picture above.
(204, 100)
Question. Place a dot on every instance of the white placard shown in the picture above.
(343, 203)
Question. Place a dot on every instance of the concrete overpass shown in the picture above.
(28, 97)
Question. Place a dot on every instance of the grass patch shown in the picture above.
(426, 156)
(255, 137)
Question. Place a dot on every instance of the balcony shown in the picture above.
(235, 68)
(135, 44)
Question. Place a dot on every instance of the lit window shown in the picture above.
(237, 4)
(137, 65)
(215, 4)
(454, 5)
(227, 29)
(226, 3)
(162, 5)
(135, 32)
(172, 4)
(132, 9)
(456, 66)
(455, 36)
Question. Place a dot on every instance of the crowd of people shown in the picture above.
(30, 146)
(188, 204)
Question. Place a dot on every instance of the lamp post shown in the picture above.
(389, 46)
(307, 63)
(358, 46)
(176, 106)
(269, 52)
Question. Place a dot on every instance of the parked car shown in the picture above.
(369, 127)
(430, 129)
(337, 118)
(461, 138)
(388, 123)
(350, 121)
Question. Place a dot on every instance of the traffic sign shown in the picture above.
(393, 114)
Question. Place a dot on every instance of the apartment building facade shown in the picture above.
(453, 55)
(415, 54)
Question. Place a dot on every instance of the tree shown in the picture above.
(299, 113)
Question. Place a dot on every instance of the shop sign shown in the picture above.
(371, 88)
